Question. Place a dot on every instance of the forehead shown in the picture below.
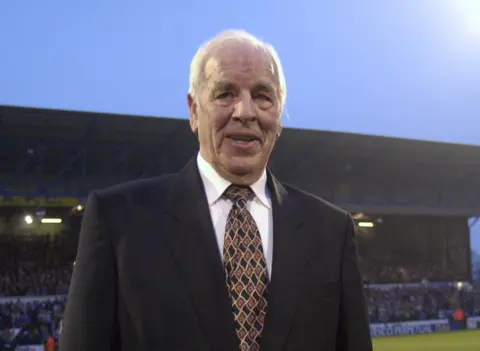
(241, 64)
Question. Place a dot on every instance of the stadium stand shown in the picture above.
(33, 265)
(413, 303)
(30, 322)
(411, 208)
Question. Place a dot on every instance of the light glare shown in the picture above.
(469, 15)
(51, 220)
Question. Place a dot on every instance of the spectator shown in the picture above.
(40, 265)
(36, 321)
(34, 265)
(406, 303)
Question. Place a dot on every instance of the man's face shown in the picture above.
(237, 112)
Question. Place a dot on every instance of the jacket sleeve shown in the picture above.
(354, 328)
(90, 321)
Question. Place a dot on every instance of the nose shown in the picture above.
(244, 109)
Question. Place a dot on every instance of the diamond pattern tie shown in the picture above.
(245, 269)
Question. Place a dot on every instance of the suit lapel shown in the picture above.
(288, 262)
(195, 248)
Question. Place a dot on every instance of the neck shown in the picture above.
(243, 180)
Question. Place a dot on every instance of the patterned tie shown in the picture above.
(245, 269)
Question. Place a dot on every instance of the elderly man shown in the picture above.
(220, 256)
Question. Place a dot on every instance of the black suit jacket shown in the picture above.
(148, 274)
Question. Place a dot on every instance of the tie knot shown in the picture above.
(237, 193)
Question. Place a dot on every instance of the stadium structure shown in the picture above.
(413, 201)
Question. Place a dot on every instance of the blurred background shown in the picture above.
(382, 118)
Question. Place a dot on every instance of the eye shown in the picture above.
(225, 95)
(263, 101)
(262, 97)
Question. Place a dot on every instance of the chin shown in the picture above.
(240, 170)
(242, 165)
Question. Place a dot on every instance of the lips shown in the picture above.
(244, 143)
(244, 137)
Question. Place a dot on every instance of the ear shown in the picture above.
(192, 107)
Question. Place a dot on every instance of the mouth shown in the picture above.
(243, 141)
(244, 138)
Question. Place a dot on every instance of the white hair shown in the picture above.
(203, 54)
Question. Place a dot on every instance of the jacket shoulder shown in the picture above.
(141, 190)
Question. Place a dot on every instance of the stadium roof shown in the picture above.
(39, 123)
(338, 166)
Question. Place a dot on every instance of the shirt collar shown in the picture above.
(215, 185)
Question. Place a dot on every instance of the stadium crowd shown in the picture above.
(383, 272)
(36, 266)
(30, 322)
(418, 302)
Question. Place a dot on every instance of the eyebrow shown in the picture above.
(264, 86)
(261, 85)
(223, 85)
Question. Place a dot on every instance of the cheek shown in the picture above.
(270, 123)
(219, 121)
(220, 118)
(209, 120)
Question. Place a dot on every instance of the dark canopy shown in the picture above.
(360, 172)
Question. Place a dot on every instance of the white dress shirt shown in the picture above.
(260, 207)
